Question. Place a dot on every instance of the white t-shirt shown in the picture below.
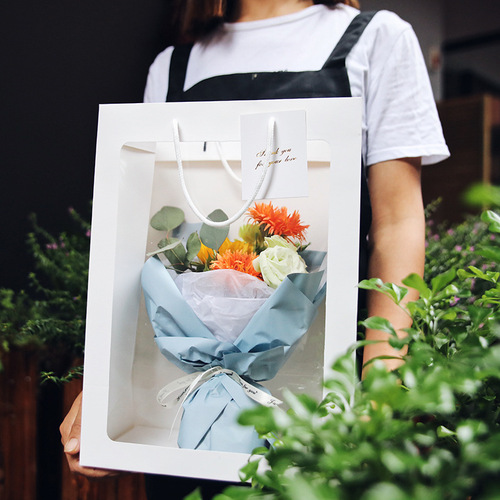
(385, 68)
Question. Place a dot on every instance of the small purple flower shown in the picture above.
(450, 232)
(87, 234)
(458, 248)
(51, 246)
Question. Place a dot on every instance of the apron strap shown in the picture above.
(349, 38)
(177, 73)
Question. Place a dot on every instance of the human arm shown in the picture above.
(397, 244)
(70, 438)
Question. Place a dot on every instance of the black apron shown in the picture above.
(331, 80)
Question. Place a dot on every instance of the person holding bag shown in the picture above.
(285, 49)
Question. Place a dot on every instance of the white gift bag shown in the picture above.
(123, 426)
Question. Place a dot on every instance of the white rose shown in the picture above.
(278, 261)
(278, 241)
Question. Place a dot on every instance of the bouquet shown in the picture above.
(229, 313)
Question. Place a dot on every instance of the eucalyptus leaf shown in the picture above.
(165, 245)
(214, 237)
(175, 253)
(193, 246)
(167, 219)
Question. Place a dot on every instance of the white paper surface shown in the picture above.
(287, 172)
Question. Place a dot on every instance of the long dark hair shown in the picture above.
(191, 19)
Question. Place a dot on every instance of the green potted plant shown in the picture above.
(431, 429)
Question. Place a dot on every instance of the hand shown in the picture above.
(70, 438)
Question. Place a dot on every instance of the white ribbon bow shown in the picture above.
(167, 395)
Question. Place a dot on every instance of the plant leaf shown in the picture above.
(416, 282)
(395, 292)
(492, 219)
(378, 323)
(175, 253)
(213, 237)
(193, 246)
(167, 218)
(443, 279)
(489, 252)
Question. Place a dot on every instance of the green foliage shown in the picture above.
(431, 429)
(50, 316)
(184, 258)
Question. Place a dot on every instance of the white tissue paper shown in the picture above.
(224, 300)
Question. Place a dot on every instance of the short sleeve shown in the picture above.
(157, 82)
(401, 118)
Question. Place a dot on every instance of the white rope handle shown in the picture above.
(244, 208)
(225, 164)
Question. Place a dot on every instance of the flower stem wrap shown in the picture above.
(210, 412)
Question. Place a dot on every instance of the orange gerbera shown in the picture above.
(278, 221)
(237, 260)
(206, 253)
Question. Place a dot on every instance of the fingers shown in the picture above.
(71, 427)
(70, 430)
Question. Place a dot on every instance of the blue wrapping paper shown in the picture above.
(264, 345)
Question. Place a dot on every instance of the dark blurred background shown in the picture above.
(61, 59)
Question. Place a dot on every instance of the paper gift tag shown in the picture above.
(287, 175)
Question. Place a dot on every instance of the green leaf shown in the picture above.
(489, 252)
(481, 194)
(399, 343)
(249, 470)
(175, 253)
(440, 339)
(444, 432)
(416, 282)
(492, 219)
(478, 315)
(395, 292)
(195, 495)
(378, 323)
(213, 237)
(387, 491)
(165, 245)
(167, 218)
(442, 280)
(193, 246)
(240, 493)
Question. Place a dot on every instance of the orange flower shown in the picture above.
(278, 221)
(237, 260)
(206, 253)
